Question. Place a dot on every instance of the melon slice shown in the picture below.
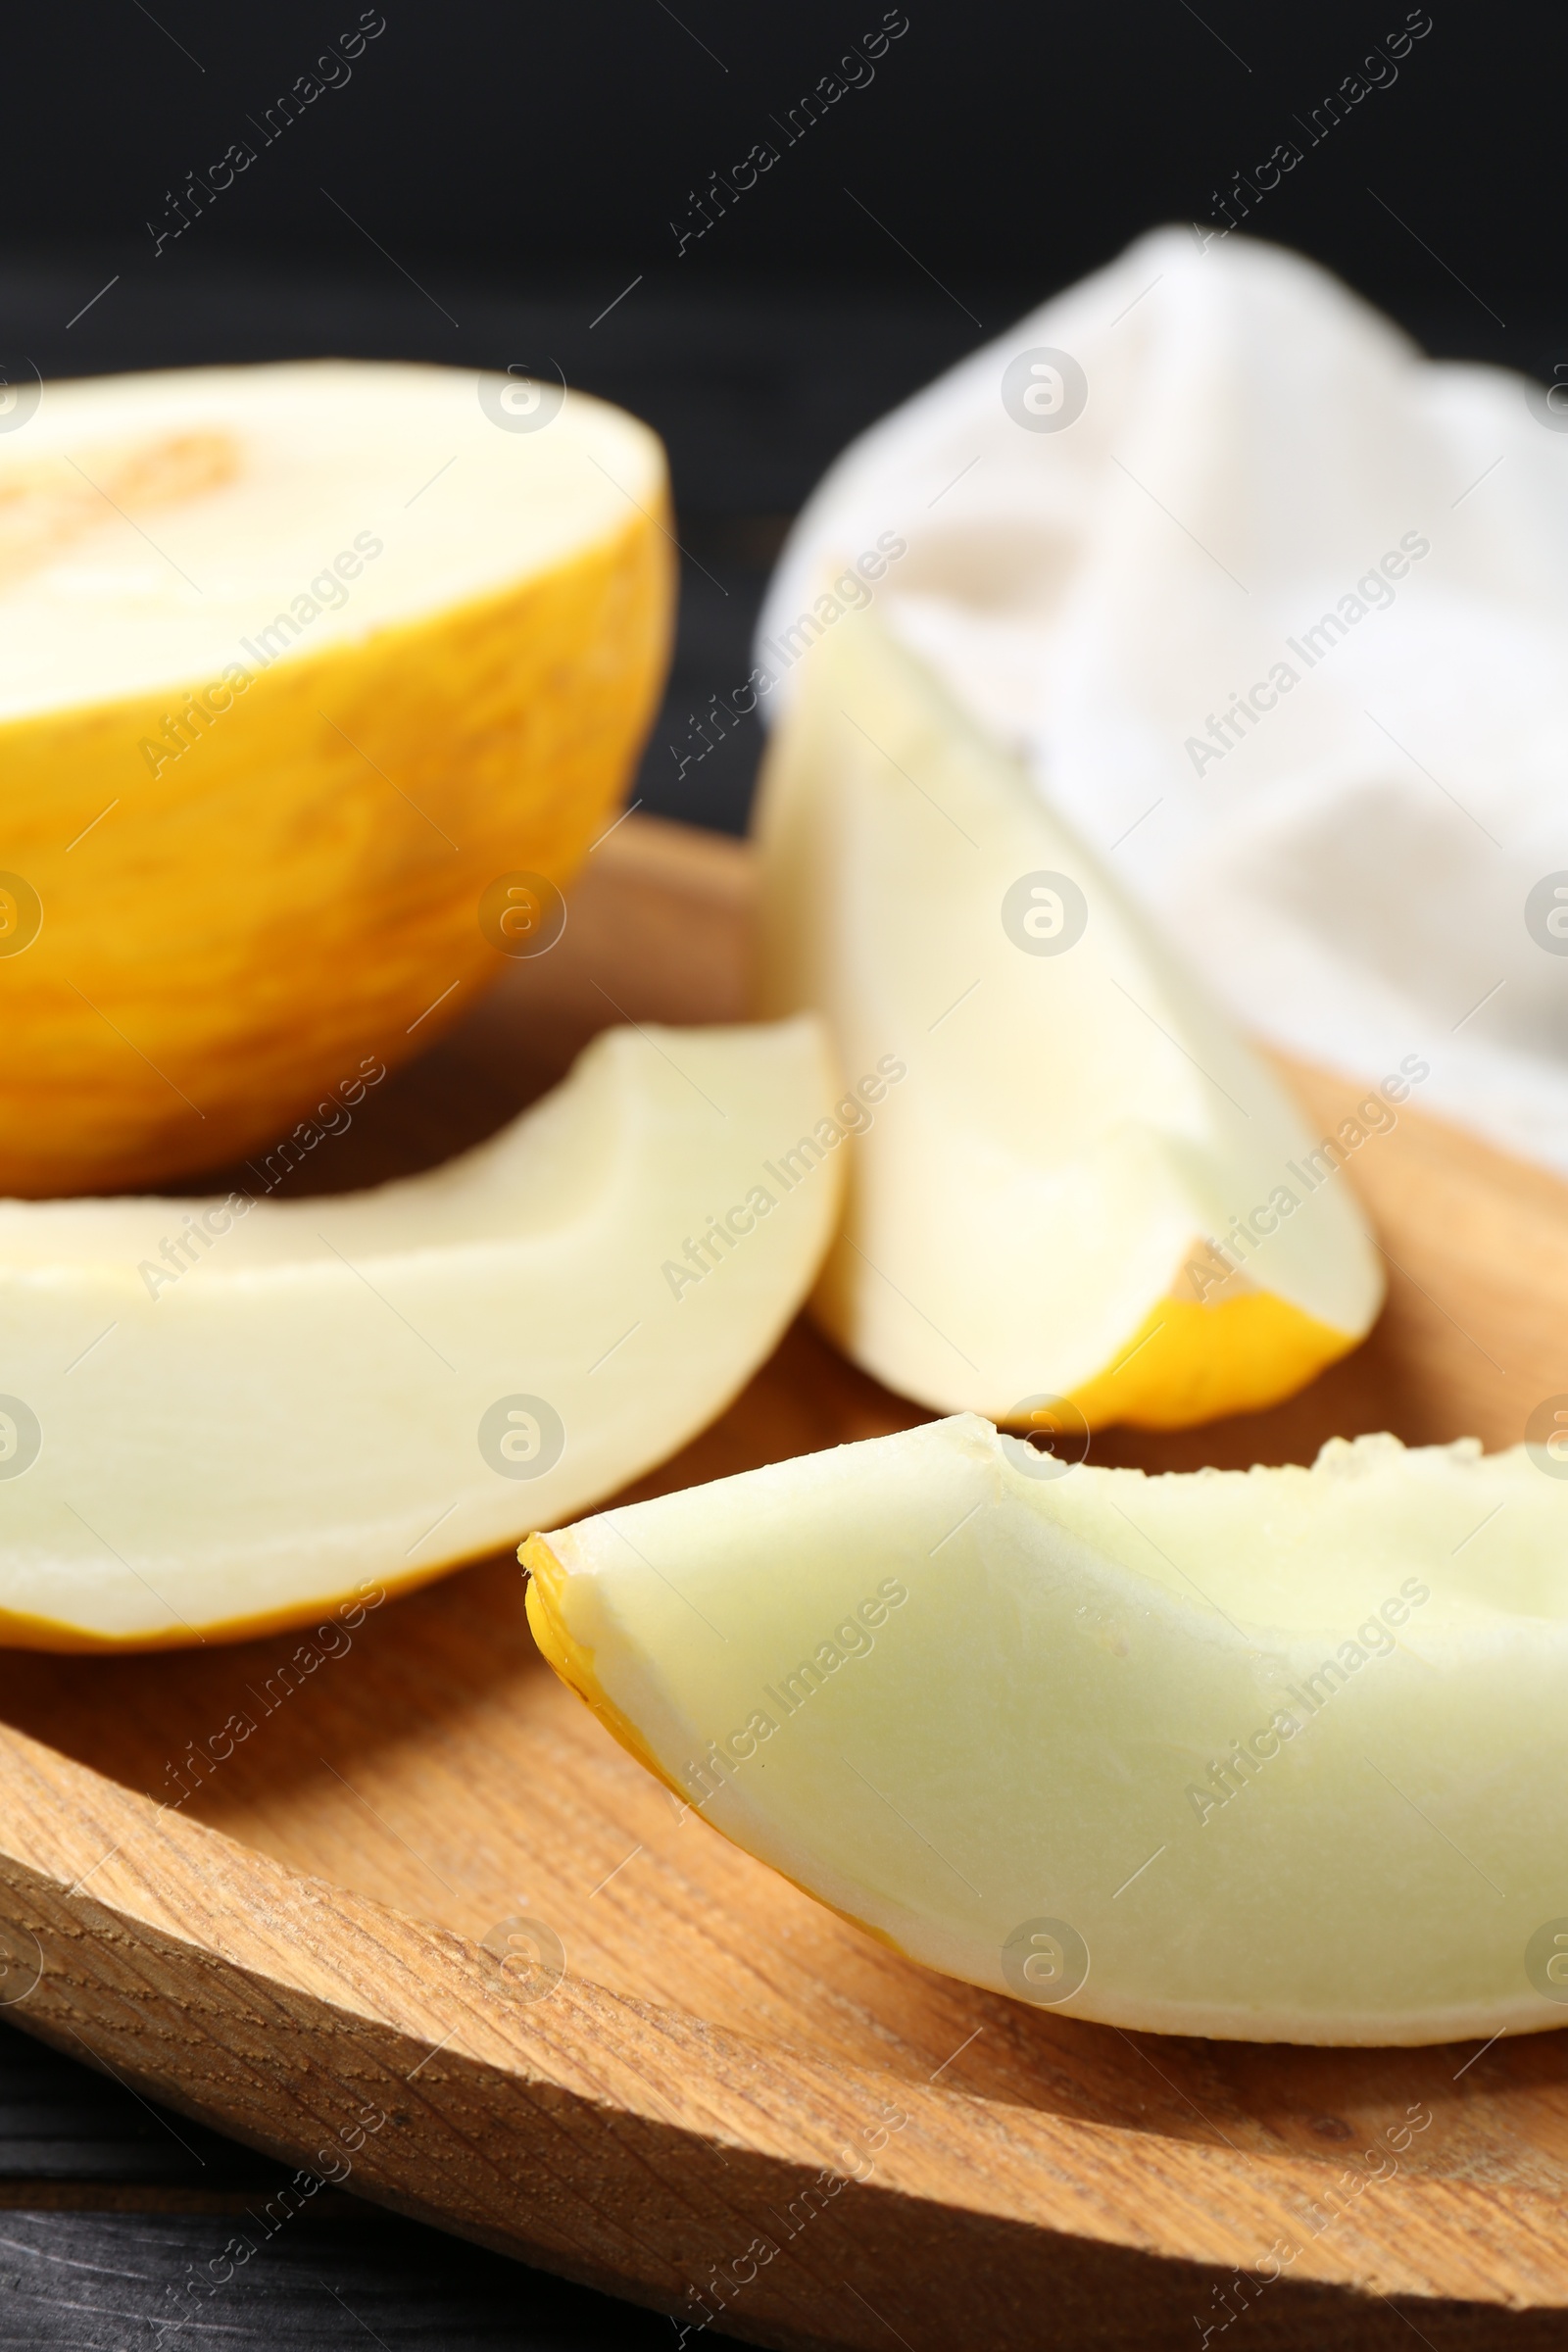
(1083, 1200)
(296, 663)
(1274, 1754)
(221, 1415)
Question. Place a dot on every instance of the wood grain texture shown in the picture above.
(288, 1941)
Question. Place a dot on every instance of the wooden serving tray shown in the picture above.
(732, 2102)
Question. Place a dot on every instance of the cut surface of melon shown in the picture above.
(1087, 1188)
(1274, 1755)
(217, 1416)
(295, 663)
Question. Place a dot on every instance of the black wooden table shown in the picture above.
(113, 2213)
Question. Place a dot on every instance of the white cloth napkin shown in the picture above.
(1140, 504)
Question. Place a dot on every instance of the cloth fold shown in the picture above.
(1277, 612)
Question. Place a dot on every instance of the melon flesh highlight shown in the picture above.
(1034, 1210)
(298, 1412)
(1275, 1755)
(253, 479)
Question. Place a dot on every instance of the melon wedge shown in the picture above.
(223, 1416)
(1274, 1754)
(1087, 1199)
(295, 663)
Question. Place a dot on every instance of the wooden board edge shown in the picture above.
(621, 2144)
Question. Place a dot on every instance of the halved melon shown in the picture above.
(295, 663)
(225, 1414)
(1279, 1754)
(1075, 1196)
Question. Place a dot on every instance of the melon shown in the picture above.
(297, 664)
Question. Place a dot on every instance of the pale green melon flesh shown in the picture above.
(244, 1415)
(1070, 1133)
(1373, 1653)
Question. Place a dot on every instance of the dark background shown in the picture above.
(518, 145)
(497, 176)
